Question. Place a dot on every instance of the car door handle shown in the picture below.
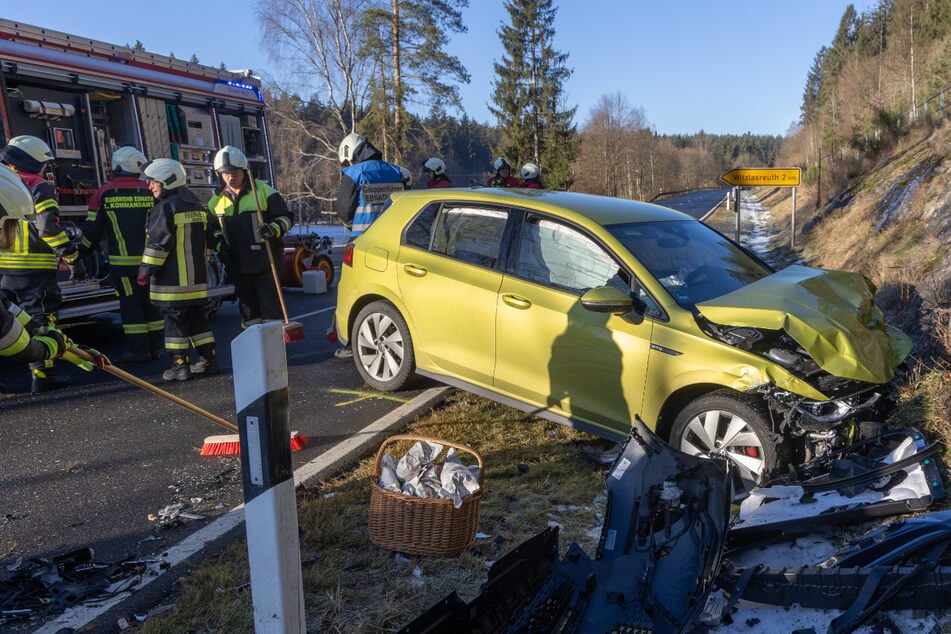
(415, 271)
(516, 302)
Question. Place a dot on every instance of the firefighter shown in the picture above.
(117, 210)
(241, 240)
(179, 229)
(366, 181)
(28, 267)
(434, 171)
(530, 177)
(20, 336)
(503, 175)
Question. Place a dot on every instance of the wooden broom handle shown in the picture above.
(267, 247)
(134, 380)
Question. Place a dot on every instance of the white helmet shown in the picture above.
(435, 165)
(529, 171)
(230, 159)
(128, 160)
(169, 172)
(406, 176)
(500, 163)
(350, 145)
(27, 153)
(16, 202)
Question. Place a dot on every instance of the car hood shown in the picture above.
(830, 314)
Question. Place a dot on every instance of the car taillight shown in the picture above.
(348, 254)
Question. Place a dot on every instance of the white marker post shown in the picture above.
(270, 505)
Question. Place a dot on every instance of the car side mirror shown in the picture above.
(607, 299)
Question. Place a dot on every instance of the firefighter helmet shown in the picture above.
(230, 159)
(128, 160)
(529, 171)
(349, 147)
(435, 165)
(169, 172)
(500, 163)
(406, 176)
(16, 202)
(26, 153)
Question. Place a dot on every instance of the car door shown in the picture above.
(450, 286)
(553, 352)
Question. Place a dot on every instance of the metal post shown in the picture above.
(736, 233)
(792, 232)
(270, 512)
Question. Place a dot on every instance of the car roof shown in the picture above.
(603, 210)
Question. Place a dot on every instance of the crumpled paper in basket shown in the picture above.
(416, 474)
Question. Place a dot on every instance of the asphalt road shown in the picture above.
(95, 464)
(697, 204)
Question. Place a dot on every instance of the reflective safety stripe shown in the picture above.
(125, 260)
(45, 205)
(134, 329)
(203, 339)
(155, 326)
(14, 341)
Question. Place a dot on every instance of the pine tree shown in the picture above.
(407, 39)
(529, 94)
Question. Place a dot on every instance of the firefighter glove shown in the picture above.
(268, 231)
(55, 341)
(98, 359)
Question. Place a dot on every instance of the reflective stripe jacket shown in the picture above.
(179, 229)
(118, 210)
(47, 215)
(29, 253)
(364, 187)
(15, 341)
(238, 216)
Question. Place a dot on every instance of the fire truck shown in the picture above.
(87, 98)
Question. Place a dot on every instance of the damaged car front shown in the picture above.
(762, 367)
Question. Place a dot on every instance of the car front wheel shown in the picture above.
(733, 427)
(382, 347)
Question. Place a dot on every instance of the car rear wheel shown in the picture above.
(382, 347)
(733, 427)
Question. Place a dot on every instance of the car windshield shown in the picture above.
(691, 260)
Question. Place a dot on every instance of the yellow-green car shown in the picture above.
(588, 310)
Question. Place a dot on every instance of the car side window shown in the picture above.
(561, 256)
(470, 234)
(419, 231)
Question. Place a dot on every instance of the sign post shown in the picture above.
(765, 177)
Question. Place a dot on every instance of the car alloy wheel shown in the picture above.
(732, 427)
(382, 347)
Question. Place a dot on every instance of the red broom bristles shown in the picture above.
(230, 444)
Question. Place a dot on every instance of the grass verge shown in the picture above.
(535, 474)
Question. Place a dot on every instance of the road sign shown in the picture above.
(763, 177)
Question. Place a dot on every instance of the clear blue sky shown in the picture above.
(690, 65)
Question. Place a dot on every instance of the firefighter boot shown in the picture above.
(44, 379)
(139, 351)
(206, 364)
(179, 370)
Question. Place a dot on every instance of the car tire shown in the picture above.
(732, 426)
(382, 347)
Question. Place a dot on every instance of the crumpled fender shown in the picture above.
(831, 314)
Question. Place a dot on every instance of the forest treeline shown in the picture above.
(885, 70)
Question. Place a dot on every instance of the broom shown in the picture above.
(223, 445)
(293, 331)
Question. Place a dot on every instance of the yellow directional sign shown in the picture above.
(763, 177)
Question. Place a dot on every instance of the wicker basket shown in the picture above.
(422, 526)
